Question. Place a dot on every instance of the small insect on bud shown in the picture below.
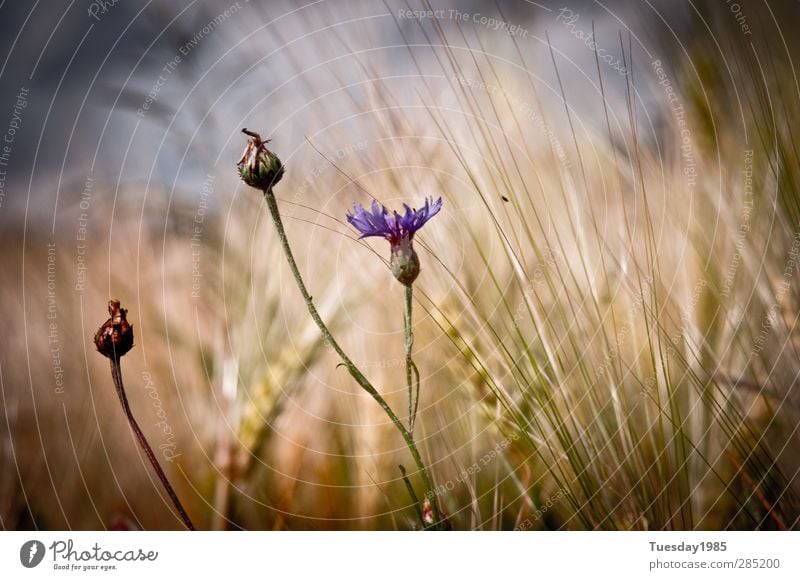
(259, 167)
(115, 337)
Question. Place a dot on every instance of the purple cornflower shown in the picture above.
(399, 230)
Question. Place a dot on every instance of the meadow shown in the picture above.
(605, 319)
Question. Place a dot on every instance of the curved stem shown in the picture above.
(416, 396)
(411, 368)
(351, 367)
(116, 375)
(409, 342)
(412, 495)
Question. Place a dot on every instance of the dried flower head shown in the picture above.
(399, 230)
(115, 337)
(259, 167)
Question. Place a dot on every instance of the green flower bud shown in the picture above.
(404, 261)
(259, 167)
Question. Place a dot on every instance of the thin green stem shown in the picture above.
(412, 372)
(116, 375)
(414, 498)
(351, 367)
(409, 342)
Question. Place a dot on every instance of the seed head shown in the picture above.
(115, 337)
(259, 167)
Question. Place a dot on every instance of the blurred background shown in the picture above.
(606, 322)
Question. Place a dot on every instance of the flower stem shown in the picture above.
(116, 375)
(362, 381)
(411, 368)
(414, 498)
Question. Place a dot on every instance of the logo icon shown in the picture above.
(31, 553)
